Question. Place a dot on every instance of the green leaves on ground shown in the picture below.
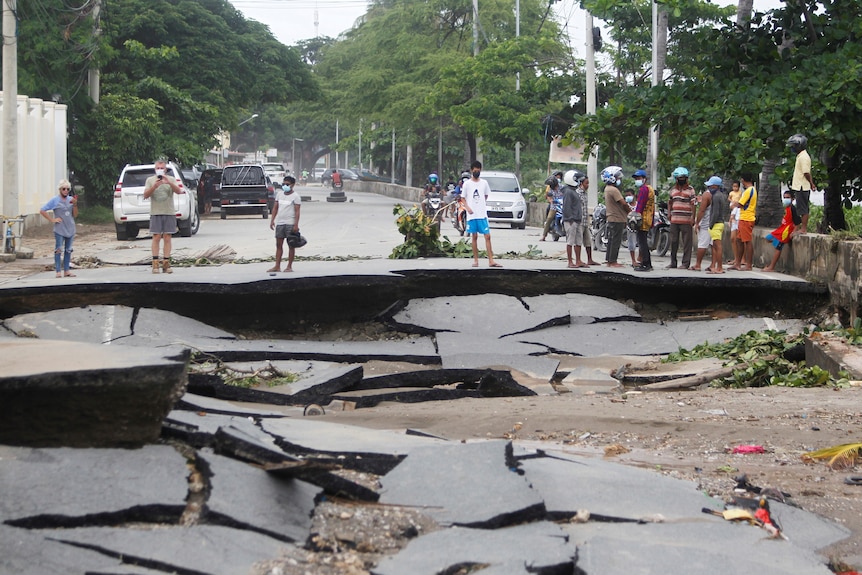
(760, 356)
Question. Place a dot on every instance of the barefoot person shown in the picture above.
(64, 208)
(747, 205)
(719, 212)
(160, 189)
(575, 217)
(782, 235)
(284, 220)
(475, 192)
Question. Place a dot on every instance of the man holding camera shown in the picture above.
(160, 190)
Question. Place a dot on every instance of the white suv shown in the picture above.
(132, 211)
(506, 204)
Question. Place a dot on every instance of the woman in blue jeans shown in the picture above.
(65, 209)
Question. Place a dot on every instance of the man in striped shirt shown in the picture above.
(681, 206)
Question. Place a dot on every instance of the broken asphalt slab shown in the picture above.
(532, 548)
(67, 487)
(210, 549)
(369, 450)
(642, 338)
(86, 395)
(249, 498)
(568, 483)
(242, 440)
(452, 484)
(115, 324)
(709, 546)
(496, 315)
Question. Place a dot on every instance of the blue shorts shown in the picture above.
(776, 243)
(478, 227)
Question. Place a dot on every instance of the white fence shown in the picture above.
(42, 153)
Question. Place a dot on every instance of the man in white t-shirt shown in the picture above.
(475, 191)
(285, 221)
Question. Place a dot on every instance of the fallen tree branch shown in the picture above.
(700, 379)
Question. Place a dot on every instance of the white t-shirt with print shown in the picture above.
(476, 193)
(286, 212)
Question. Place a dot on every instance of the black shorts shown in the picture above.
(282, 231)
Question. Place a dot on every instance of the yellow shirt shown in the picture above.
(802, 167)
(749, 196)
(734, 196)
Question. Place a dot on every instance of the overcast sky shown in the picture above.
(293, 20)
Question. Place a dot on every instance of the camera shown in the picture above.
(160, 178)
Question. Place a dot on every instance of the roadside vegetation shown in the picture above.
(765, 358)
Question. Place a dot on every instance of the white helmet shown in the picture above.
(573, 178)
(612, 174)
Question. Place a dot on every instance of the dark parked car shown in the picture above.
(326, 177)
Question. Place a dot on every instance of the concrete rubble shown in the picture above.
(228, 486)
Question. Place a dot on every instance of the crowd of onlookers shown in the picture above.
(700, 218)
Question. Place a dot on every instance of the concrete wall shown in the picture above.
(42, 152)
(815, 257)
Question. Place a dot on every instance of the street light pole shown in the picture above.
(293, 155)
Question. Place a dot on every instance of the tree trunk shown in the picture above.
(833, 213)
(743, 13)
(769, 208)
(471, 148)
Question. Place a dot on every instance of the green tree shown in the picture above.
(199, 63)
(795, 69)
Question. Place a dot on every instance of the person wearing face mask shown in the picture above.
(285, 222)
(617, 212)
(64, 208)
(632, 236)
(645, 206)
(160, 190)
(476, 192)
(782, 235)
(681, 205)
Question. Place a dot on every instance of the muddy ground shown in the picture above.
(688, 435)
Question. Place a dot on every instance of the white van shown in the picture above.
(506, 204)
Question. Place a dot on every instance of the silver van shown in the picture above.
(506, 203)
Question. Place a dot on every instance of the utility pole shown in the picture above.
(592, 161)
(518, 87)
(10, 109)
(476, 53)
(93, 74)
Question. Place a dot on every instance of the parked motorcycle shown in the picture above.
(557, 228)
(599, 230)
(659, 235)
(599, 227)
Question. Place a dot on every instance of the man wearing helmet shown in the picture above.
(617, 212)
(681, 205)
(432, 187)
(802, 182)
(575, 218)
